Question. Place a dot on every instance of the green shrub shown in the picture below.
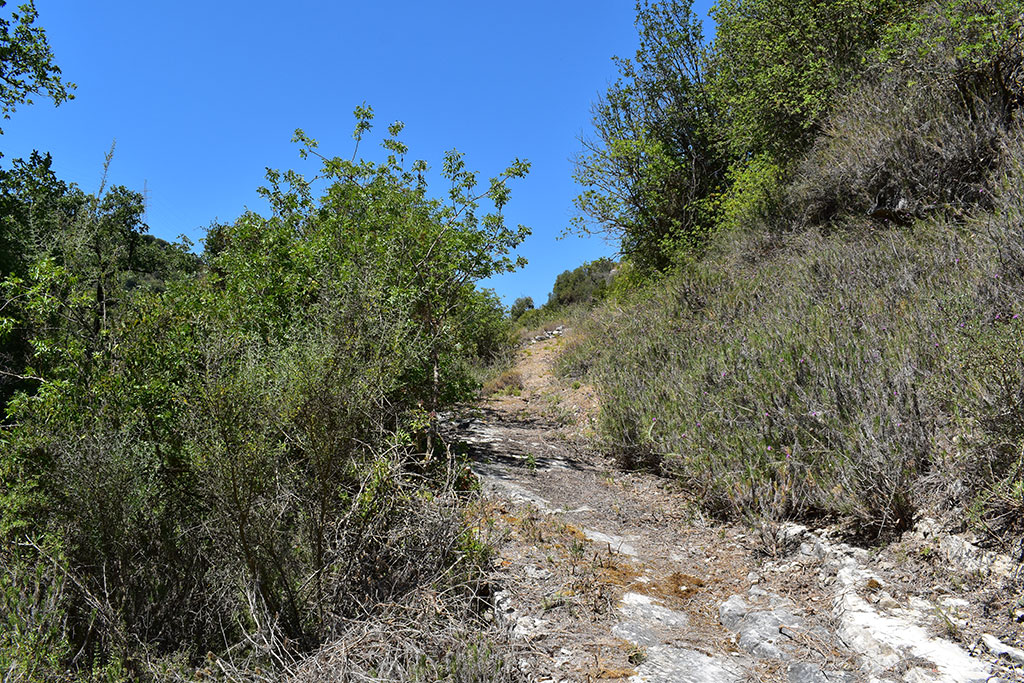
(754, 196)
(33, 613)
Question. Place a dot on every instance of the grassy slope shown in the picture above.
(864, 372)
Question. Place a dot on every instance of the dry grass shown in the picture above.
(864, 374)
(429, 637)
(855, 352)
(509, 382)
(422, 641)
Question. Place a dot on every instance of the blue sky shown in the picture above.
(203, 96)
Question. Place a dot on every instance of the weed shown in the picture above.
(531, 462)
(952, 630)
(577, 548)
(637, 655)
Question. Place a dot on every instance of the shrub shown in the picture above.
(895, 152)
(241, 461)
(754, 195)
(416, 642)
(486, 326)
(986, 403)
(33, 613)
(923, 130)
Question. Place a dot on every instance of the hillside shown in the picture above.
(843, 343)
(780, 437)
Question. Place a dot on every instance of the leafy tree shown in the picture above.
(520, 306)
(29, 191)
(778, 65)
(33, 204)
(652, 163)
(92, 249)
(26, 62)
(584, 284)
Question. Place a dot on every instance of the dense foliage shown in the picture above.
(845, 341)
(237, 453)
(582, 285)
(777, 67)
(684, 138)
(651, 165)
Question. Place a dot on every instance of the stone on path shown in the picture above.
(667, 664)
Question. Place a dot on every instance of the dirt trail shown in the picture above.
(608, 575)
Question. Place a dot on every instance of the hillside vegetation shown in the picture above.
(225, 462)
(221, 465)
(827, 207)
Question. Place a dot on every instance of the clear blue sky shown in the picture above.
(203, 96)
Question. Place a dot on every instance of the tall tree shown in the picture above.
(651, 163)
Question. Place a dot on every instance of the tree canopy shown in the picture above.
(27, 67)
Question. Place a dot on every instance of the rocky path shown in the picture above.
(606, 575)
